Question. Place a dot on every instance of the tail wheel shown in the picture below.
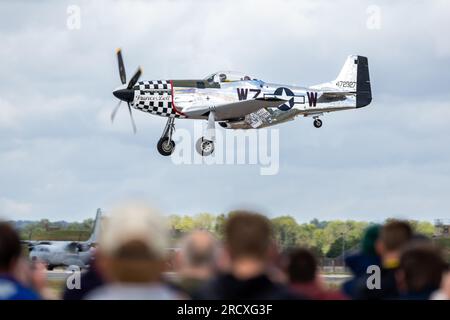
(165, 146)
(317, 123)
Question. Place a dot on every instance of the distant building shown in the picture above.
(442, 227)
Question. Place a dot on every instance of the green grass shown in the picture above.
(58, 235)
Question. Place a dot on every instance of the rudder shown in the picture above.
(363, 89)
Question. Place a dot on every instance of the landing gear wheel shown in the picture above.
(204, 147)
(165, 146)
(317, 123)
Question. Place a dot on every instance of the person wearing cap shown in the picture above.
(359, 261)
(131, 256)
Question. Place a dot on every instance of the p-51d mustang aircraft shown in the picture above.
(240, 101)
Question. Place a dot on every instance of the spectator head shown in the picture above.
(421, 268)
(10, 249)
(198, 250)
(394, 235)
(302, 266)
(133, 245)
(248, 235)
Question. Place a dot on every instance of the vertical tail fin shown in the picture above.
(355, 75)
(348, 75)
(96, 230)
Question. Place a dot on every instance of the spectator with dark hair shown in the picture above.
(394, 236)
(195, 261)
(248, 239)
(10, 261)
(305, 279)
(420, 272)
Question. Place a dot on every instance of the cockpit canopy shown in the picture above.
(228, 76)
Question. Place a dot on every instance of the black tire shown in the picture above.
(317, 123)
(165, 147)
(204, 147)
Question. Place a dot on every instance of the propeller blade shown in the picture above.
(113, 114)
(132, 120)
(123, 76)
(135, 78)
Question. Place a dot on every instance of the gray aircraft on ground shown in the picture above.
(65, 253)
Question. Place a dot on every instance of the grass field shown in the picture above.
(58, 235)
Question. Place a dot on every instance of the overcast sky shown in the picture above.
(61, 158)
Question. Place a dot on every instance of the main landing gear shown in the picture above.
(205, 145)
(165, 144)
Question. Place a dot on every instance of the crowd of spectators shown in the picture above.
(131, 263)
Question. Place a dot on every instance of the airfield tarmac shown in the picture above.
(57, 277)
(61, 275)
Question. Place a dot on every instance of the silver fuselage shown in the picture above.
(195, 98)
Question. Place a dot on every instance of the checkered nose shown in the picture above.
(124, 94)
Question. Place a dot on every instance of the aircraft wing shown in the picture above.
(242, 108)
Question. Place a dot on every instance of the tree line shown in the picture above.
(326, 238)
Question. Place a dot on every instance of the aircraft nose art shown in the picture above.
(156, 97)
